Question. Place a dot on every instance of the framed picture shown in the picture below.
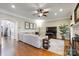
(76, 13)
(27, 25)
(31, 25)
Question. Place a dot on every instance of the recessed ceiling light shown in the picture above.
(55, 14)
(61, 10)
(13, 6)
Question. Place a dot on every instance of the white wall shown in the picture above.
(54, 24)
(9, 18)
(19, 22)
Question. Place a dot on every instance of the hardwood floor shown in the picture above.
(66, 47)
(23, 49)
(77, 48)
(13, 48)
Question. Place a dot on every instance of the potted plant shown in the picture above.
(63, 30)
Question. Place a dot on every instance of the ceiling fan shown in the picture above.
(41, 12)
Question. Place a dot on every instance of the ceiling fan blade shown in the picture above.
(35, 12)
(46, 12)
(48, 9)
(45, 15)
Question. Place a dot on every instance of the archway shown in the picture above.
(8, 34)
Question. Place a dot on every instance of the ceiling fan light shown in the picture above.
(40, 14)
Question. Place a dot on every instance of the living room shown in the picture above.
(22, 18)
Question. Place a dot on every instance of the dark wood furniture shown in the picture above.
(50, 35)
(51, 32)
(45, 43)
(75, 46)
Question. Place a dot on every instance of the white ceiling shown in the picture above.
(26, 9)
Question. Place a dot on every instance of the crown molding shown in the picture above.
(12, 14)
(58, 19)
(19, 16)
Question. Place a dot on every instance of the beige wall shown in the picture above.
(54, 24)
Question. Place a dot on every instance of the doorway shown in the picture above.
(7, 36)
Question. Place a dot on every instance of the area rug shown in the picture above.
(57, 46)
